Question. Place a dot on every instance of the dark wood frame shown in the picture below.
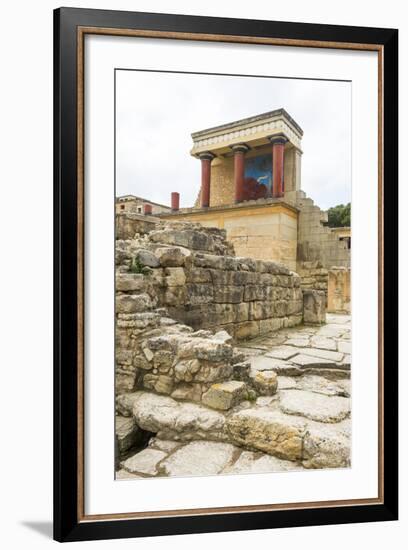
(70, 27)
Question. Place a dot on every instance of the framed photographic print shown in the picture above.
(225, 274)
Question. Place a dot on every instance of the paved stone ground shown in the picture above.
(313, 368)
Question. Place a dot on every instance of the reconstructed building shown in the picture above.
(137, 205)
(251, 187)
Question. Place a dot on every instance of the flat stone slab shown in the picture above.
(319, 384)
(323, 354)
(282, 352)
(306, 360)
(123, 474)
(297, 342)
(279, 366)
(286, 382)
(323, 343)
(318, 407)
(255, 463)
(344, 347)
(144, 462)
(199, 458)
(165, 445)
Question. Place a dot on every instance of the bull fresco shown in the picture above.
(258, 177)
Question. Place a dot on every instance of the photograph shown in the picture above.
(233, 309)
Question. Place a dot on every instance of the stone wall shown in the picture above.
(317, 242)
(339, 293)
(265, 229)
(195, 276)
(313, 276)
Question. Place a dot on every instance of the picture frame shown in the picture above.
(71, 26)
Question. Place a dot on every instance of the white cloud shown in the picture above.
(157, 112)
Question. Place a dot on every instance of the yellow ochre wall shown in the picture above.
(267, 232)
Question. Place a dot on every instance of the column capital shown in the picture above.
(278, 139)
(206, 155)
(240, 148)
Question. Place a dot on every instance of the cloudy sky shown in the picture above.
(157, 112)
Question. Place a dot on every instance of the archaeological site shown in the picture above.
(233, 326)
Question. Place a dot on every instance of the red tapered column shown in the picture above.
(206, 159)
(239, 170)
(175, 201)
(278, 157)
(147, 209)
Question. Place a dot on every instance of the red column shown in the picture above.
(278, 152)
(206, 159)
(175, 201)
(147, 209)
(239, 170)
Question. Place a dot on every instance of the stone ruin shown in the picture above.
(183, 300)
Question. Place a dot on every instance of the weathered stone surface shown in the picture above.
(198, 458)
(144, 462)
(170, 419)
(123, 475)
(315, 406)
(147, 258)
(323, 354)
(304, 360)
(174, 276)
(174, 256)
(323, 343)
(282, 352)
(344, 347)
(269, 431)
(167, 446)
(256, 463)
(314, 307)
(326, 446)
(132, 303)
(126, 282)
(127, 432)
(261, 363)
(298, 342)
(320, 384)
(225, 395)
(228, 294)
(265, 382)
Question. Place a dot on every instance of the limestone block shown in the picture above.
(159, 383)
(170, 419)
(228, 294)
(174, 276)
(254, 292)
(326, 446)
(127, 432)
(314, 307)
(316, 406)
(129, 303)
(257, 463)
(246, 330)
(147, 258)
(269, 431)
(174, 256)
(265, 382)
(126, 282)
(199, 294)
(198, 458)
(199, 275)
(144, 462)
(225, 395)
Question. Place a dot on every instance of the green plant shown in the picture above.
(136, 266)
(339, 216)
